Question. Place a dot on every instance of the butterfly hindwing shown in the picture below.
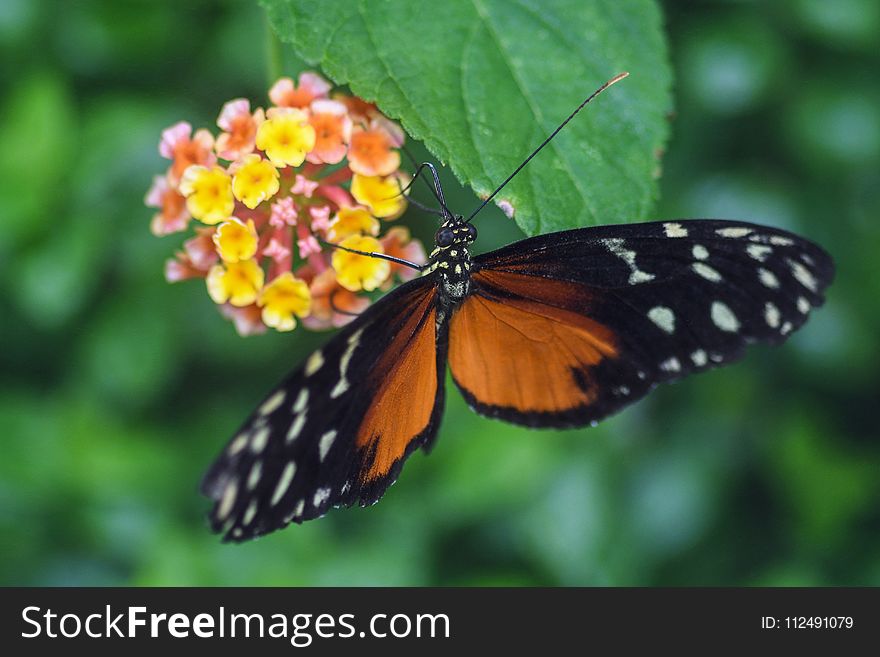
(337, 430)
(566, 328)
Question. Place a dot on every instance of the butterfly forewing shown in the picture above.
(564, 329)
(338, 428)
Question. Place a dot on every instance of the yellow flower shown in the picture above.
(380, 193)
(236, 241)
(255, 181)
(352, 221)
(286, 136)
(283, 298)
(208, 193)
(238, 283)
(356, 272)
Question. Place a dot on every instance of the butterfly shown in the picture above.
(557, 330)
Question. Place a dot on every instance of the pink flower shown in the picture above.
(303, 186)
(240, 129)
(283, 213)
(311, 86)
(173, 216)
(184, 149)
(307, 246)
(320, 217)
(248, 320)
(200, 249)
(276, 250)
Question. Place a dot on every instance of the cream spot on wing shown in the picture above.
(663, 317)
(254, 476)
(707, 272)
(301, 400)
(700, 252)
(237, 445)
(616, 246)
(699, 357)
(771, 315)
(299, 508)
(283, 483)
(321, 496)
(259, 439)
(803, 305)
(733, 232)
(670, 365)
(325, 443)
(723, 317)
(768, 278)
(250, 512)
(758, 251)
(803, 276)
(342, 385)
(227, 501)
(314, 363)
(675, 230)
(786, 328)
(272, 403)
(299, 421)
(778, 240)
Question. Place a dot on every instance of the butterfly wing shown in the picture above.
(566, 328)
(337, 430)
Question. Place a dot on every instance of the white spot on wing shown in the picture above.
(670, 365)
(259, 439)
(299, 421)
(778, 240)
(758, 251)
(237, 445)
(707, 272)
(768, 278)
(771, 315)
(675, 230)
(254, 476)
(250, 512)
(700, 252)
(325, 443)
(299, 508)
(663, 317)
(227, 501)
(699, 357)
(803, 276)
(314, 363)
(342, 385)
(786, 328)
(738, 231)
(723, 317)
(616, 246)
(283, 483)
(321, 496)
(803, 305)
(272, 403)
(301, 400)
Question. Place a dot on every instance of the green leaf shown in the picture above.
(483, 82)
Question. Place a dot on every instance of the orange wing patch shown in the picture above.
(529, 350)
(405, 380)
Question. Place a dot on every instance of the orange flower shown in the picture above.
(178, 144)
(240, 129)
(173, 216)
(399, 243)
(311, 86)
(371, 153)
(332, 305)
(332, 132)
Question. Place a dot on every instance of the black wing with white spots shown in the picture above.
(316, 440)
(676, 297)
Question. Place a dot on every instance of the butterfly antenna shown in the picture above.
(616, 78)
(419, 167)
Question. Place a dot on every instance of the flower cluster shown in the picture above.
(272, 192)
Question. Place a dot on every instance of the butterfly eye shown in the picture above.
(472, 232)
(444, 237)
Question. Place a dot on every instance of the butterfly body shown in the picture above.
(558, 330)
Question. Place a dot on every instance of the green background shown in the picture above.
(117, 389)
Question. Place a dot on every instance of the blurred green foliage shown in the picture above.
(118, 389)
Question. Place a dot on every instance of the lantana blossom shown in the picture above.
(273, 195)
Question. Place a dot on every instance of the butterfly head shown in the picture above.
(455, 231)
